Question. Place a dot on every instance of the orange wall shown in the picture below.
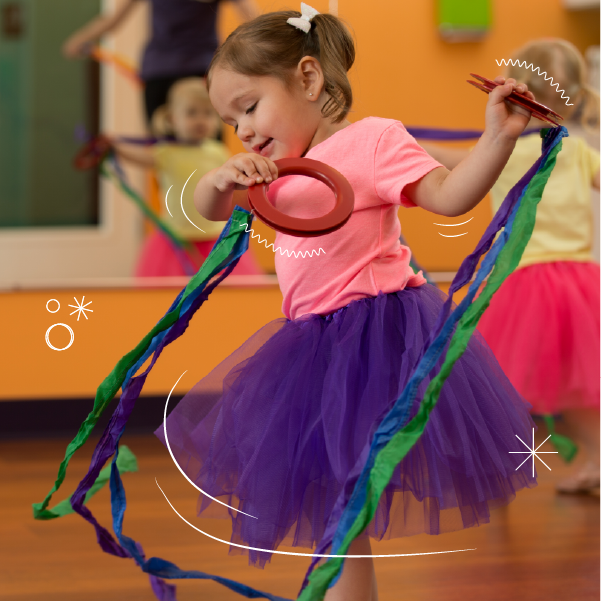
(405, 71)
(121, 318)
(29, 369)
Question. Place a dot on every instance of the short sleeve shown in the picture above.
(399, 160)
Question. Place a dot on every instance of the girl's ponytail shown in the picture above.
(336, 55)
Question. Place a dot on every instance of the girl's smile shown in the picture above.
(271, 118)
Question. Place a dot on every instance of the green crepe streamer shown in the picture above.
(404, 440)
(565, 446)
(148, 212)
(111, 384)
(126, 462)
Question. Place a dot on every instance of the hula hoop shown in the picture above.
(305, 228)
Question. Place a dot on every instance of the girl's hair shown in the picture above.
(189, 87)
(268, 45)
(562, 61)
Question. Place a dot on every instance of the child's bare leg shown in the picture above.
(584, 424)
(374, 583)
(357, 582)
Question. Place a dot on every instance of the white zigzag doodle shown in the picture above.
(297, 253)
(515, 62)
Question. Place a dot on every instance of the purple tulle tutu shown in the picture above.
(275, 429)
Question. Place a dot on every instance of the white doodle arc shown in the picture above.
(48, 336)
(297, 253)
(177, 464)
(50, 300)
(227, 542)
(166, 203)
(182, 202)
(513, 62)
(453, 225)
(450, 236)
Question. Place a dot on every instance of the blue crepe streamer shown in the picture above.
(397, 416)
(158, 568)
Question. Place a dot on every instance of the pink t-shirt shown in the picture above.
(379, 158)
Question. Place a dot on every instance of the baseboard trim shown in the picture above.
(50, 418)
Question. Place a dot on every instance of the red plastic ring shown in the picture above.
(92, 153)
(295, 226)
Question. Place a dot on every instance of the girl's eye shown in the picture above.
(252, 108)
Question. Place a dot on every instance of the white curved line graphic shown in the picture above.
(166, 203)
(182, 202)
(297, 253)
(454, 224)
(177, 464)
(515, 62)
(227, 542)
(449, 236)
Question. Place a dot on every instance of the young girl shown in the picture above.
(276, 428)
(190, 119)
(543, 324)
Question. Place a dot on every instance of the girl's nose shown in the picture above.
(245, 132)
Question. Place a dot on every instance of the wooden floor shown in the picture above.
(542, 547)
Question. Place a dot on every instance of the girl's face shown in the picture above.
(192, 119)
(269, 118)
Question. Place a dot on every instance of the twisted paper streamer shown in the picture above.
(390, 444)
(355, 508)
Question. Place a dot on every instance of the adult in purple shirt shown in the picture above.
(182, 43)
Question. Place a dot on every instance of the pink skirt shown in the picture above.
(543, 327)
(158, 259)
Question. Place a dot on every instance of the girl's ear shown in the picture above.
(161, 125)
(310, 75)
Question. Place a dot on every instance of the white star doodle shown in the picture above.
(81, 308)
(533, 452)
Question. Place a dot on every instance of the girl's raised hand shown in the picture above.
(505, 118)
(244, 170)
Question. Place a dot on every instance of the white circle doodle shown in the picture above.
(48, 336)
(49, 301)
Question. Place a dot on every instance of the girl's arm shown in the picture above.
(459, 191)
(138, 155)
(247, 9)
(214, 193)
(449, 157)
(75, 45)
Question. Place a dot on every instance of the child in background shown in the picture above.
(191, 121)
(543, 324)
(277, 428)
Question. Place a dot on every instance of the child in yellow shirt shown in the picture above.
(543, 323)
(189, 117)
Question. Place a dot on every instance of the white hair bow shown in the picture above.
(304, 21)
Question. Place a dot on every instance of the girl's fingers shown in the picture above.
(243, 179)
(273, 169)
(263, 168)
(247, 166)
